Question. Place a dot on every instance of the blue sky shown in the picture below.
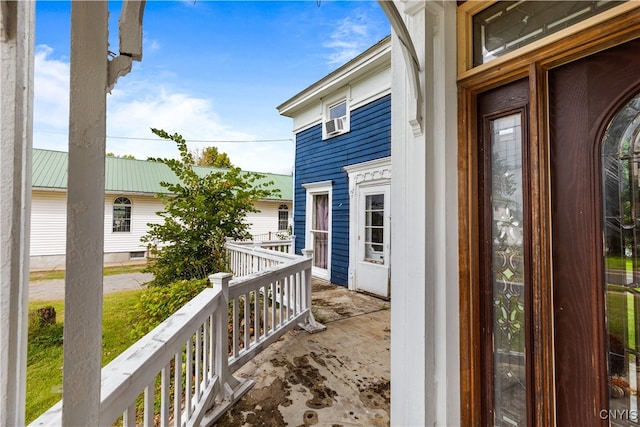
(211, 70)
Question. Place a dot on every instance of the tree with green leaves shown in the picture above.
(124, 156)
(201, 212)
(210, 156)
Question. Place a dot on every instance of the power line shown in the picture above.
(216, 141)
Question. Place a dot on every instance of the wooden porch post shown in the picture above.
(85, 214)
(16, 126)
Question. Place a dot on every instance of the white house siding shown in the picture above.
(48, 229)
(266, 221)
(49, 226)
(118, 246)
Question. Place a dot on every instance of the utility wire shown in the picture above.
(188, 140)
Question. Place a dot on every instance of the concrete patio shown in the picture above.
(339, 377)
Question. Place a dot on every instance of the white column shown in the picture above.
(442, 170)
(85, 214)
(425, 385)
(16, 120)
(411, 341)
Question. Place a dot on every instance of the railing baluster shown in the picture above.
(289, 299)
(205, 355)
(129, 416)
(296, 286)
(196, 380)
(177, 389)
(164, 395)
(212, 337)
(189, 379)
(257, 314)
(215, 352)
(281, 286)
(274, 286)
(247, 319)
(236, 327)
(149, 398)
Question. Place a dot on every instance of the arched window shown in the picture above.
(283, 217)
(122, 215)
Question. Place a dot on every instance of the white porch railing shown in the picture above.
(284, 246)
(188, 359)
(271, 235)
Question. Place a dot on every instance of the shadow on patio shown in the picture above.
(336, 377)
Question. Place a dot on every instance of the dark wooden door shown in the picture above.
(583, 97)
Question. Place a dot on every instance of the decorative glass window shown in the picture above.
(621, 215)
(507, 25)
(122, 215)
(283, 217)
(508, 273)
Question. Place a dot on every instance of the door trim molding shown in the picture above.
(533, 64)
(313, 189)
(372, 173)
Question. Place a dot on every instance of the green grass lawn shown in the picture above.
(44, 360)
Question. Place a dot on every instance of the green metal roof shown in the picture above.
(129, 175)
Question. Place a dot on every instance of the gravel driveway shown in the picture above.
(44, 290)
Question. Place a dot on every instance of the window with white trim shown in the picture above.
(283, 217)
(336, 119)
(122, 215)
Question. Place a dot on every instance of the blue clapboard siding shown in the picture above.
(318, 160)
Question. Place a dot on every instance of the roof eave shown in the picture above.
(363, 63)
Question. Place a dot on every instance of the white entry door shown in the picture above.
(373, 238)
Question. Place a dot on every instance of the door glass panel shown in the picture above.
(621, 214)
(508, 272)
(320, 230)
(374, 228)
(508, 25)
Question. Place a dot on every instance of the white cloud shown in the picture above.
(138, 103)
(353, 35)
(151, 46)
(51, 87)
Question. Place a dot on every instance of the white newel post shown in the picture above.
(310, 324)
(16, 119)
(307, 253)
(220, 281)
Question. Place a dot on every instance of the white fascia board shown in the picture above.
(369, 86)
(373, 57)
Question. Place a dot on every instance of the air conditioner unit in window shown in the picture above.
(334, 126)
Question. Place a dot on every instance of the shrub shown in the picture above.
(202, 209)
(158, 303)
